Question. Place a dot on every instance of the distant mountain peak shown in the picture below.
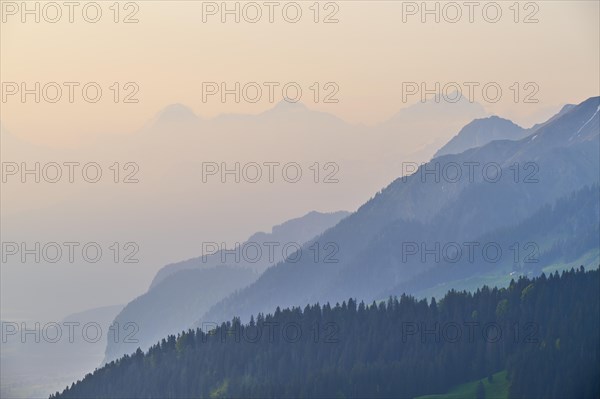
(565, 108)
(176, 112)
(453, 105)
(491, 118)
(288, 105)
(481, 131)
(174, 115)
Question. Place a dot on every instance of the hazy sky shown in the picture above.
(367, 63)
(368, 54)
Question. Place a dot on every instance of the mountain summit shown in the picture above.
(480, 132)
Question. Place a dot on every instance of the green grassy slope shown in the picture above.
(497, 389)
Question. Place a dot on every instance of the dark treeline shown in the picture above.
(543, 331)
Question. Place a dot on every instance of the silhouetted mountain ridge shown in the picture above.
(558, 159)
